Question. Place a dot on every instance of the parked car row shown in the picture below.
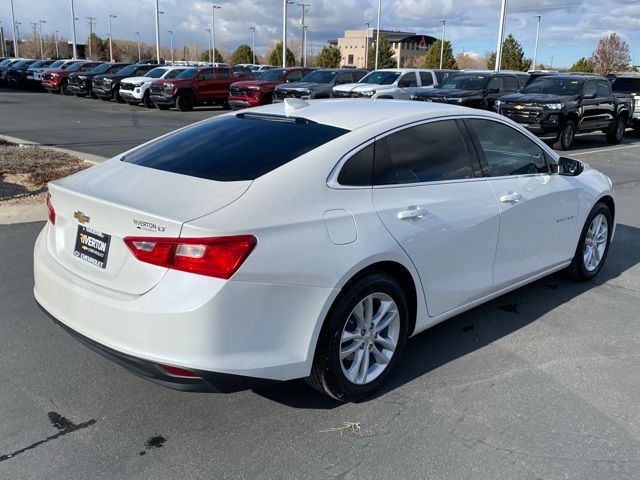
(552, 105)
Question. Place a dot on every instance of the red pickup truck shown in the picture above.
(251, 93)
(193, 87)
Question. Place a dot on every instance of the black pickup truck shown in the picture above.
(628, 84)
(557, 107)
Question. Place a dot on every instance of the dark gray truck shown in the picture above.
(557, 107)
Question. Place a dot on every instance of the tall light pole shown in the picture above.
(158, 33)
(444, 23)
(16, 49)
(17, 30)
(285, 4)
(110, 38)
(210, 51)
(91, 22)
(366, 46)
(535, 51)
(253, 43)
(73, 30)
(2, 40)
(56, 40)
(503, 16)
(214, 7)
(40, 22)
(171, 44)
(378, 34)
(138, 35)
(303, 60)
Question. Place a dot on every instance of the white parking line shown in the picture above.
(606, 150)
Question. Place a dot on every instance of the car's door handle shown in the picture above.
(511, 197)
(412, 212)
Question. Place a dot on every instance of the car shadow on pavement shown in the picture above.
(473, 330)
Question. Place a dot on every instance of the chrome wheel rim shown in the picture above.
(595, 243)
(369, 338)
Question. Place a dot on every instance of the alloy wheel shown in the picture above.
(369, 338)
(595, 243)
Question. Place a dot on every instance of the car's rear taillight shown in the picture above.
(215, 257)
(52, 211)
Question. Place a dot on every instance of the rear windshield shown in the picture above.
(554, 86)
(234, 148)
(626, 85)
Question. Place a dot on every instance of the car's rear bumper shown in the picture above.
(199, 323)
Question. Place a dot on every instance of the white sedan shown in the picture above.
(309, 239)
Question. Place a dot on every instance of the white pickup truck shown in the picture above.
(391, 83)
(135, 90)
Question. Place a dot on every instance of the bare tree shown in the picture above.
(611, 54)
(467, 61)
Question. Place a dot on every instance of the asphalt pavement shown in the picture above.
(539, 384)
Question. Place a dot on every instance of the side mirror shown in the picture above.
(567, 167)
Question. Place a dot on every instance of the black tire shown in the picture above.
(578, 270)
(162, 107)
(146, 100)
(567, 135)
(185, 102)
(326, 372)
(615, 133)
(64, 88)
(267, 100)
(93, 95)
(117, 97)
(225, 105)
(132, 103)
(80, 95)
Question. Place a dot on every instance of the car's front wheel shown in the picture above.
(567, 134)
(185, 102)
(593, 245)
(362, 338)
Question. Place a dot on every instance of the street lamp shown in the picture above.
(378, 33)
(171, 44)
(444, 23)
(535, 52)
(139, 57)
(40, 22)
(253, 43)
(17, 31)
(73, 29)
(15, 34)
(158, 33)
(210, 51)
(285, 4)
(503, 16)
(110, 38)
(366, 46)
(303, 60)
(213, 31)
(56, 39)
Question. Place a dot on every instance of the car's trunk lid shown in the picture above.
(95, 212)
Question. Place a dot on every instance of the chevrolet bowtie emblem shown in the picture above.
(519, 107)
(81, 217)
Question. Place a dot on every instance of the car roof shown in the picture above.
(578, 76)
(352, 114)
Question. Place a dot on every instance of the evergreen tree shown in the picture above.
(512, 56)
(275, 57)
(242, 54)
(329, 57)
(204, 56)
(432, 58)
(583, 65)
(386, 57)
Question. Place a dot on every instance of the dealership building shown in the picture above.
(408, 48)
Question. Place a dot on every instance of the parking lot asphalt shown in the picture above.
(87, 125)
(540, 383)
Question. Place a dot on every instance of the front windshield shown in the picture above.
(5, 62)
(102, 68)
(156, 72)
(271, 75)
(554, 86)
(56, 64)
(23, 63)
(465, 82)
(39, 63)
(380, 77)
(188, 73)
(72, 66)
(128, 70)
(320, 76)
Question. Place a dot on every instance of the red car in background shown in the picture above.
(252, 93)
(56, 81)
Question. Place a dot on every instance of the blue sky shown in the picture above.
(569, 29)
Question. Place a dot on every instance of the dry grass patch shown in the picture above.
(25, 171)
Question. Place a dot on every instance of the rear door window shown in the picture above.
(426, 79)
(206, 74)
(408, 80)
(603, 88)
(217, 149)
(294, 76)
(223, 74)
(510, 84)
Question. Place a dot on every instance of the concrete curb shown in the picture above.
(11, 214)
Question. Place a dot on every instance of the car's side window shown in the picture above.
(357, 171)
(589, 88)
(430, 152)
(495, 83)
(408, 80)
(141, 71)
(510, 84)
(206, 74)
(426, 79)
(507, 151)
(603, 88)
(223, 74)
(294, 76)
(344, 78)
